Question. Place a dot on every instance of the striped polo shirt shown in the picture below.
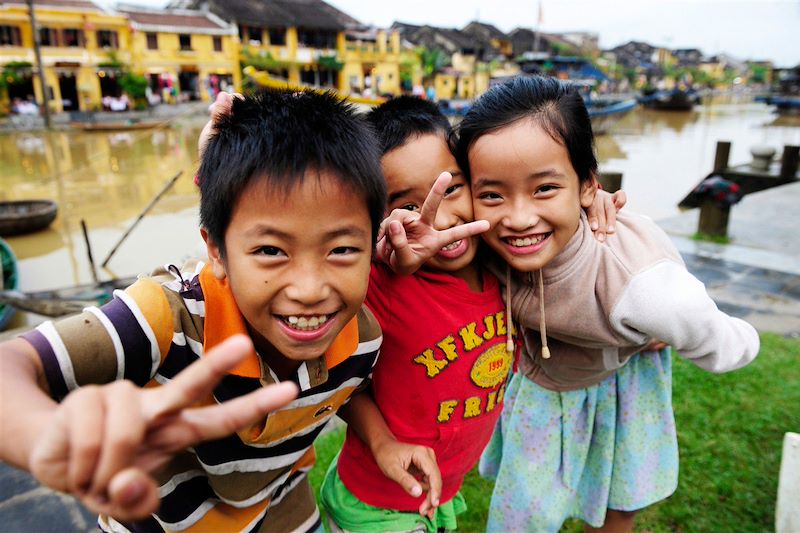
(254, 480)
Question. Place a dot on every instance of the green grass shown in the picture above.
(730, 434)
(718, 239)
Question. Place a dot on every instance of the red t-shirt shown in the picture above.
(439, 380)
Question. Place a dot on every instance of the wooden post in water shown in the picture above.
(721, 156)
(611, 181)
(155, 199)
(713, 217)
(789, 162)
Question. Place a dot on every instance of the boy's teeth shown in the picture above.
(527, 241)
(306, 323)
(452, 246)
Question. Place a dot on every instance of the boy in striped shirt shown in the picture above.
(291, 200)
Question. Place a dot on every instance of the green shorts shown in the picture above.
(351, 514)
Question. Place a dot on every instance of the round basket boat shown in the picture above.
(26, 216)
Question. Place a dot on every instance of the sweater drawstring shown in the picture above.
(542, 325)
(509, 321)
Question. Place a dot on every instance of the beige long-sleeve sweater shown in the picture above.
(604, 302)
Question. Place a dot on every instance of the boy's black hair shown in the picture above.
(399, 119)
(278, 135)
(555, 106)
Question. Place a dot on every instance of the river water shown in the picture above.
(107, 179)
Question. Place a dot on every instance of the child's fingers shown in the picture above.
(196, 381)
(620, 199)
(398, 240)
(221, 106)
(425, 460)
(49, 458)
(403, 478)
(83, 414)
(610, 214)
(132, 495)
(434, 198)
(655, 345)
(217, 421)
(463, 231)
(124, 432)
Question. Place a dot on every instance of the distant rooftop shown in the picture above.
(309, 14)
(75, 4)
(176, 20)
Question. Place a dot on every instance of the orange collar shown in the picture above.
(224, 319)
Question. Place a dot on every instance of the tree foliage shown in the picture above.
(432, 60)
(262, 61)
(13, 72)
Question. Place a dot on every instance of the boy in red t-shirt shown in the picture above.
(440, 379)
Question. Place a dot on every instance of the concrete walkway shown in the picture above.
(756, 277)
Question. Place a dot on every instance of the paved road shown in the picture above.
(757, 278)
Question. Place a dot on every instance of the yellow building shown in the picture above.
(301, 42)
(76, 37)
(471, 57)
(372, 64)
(185, 54)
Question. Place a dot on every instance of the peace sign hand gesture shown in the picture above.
(407, 239)
(102, 442)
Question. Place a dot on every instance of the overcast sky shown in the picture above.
(746, 29)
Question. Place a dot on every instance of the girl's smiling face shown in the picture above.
(524, 184)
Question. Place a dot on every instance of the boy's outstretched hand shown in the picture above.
(102, 442)
(408, 239)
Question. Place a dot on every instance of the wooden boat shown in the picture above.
(454, 108)
(670, 100)
(26, 216)
(605, 113)
(60, 302)
(117, 125)
(9, 279)
(785, 94)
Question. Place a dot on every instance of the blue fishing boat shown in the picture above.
(8, 280)
(604, 113)
(785, 95)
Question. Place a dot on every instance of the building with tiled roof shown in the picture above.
(76, 38)
(185, 54)
(489, 33)
(305, 42)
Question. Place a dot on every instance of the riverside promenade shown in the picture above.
(756, 277)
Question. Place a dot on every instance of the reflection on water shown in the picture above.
(664, 154)
(108, 178)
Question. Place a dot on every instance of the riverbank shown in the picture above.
(62, 121)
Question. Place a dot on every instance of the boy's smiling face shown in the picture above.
(410, 171)
(524, 184)
(297, 264)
